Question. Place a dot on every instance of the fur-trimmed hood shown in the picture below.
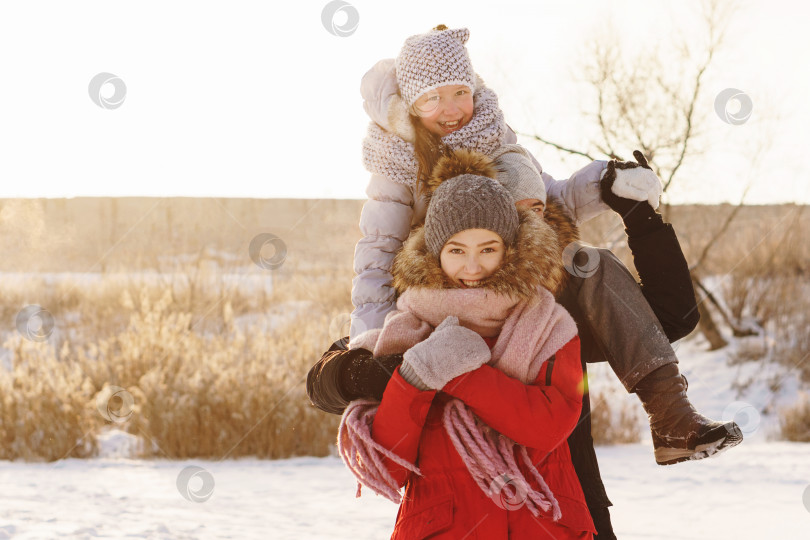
(534, 260)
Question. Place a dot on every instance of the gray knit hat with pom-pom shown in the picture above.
(437, 58)
(466, 202)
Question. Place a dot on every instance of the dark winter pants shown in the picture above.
(622, 328)
(604, 528)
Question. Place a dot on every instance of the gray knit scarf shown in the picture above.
(388, 154)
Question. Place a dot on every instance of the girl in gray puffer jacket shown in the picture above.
(426, 101)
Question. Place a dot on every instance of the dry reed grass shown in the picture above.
(211, 381)
(613, 420)
(794, 422)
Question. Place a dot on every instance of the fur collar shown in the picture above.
(534, 260)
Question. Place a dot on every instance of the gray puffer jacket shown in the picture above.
(393, 208)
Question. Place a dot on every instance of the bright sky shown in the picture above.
(258, 99)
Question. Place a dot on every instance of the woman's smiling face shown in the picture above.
(445, 109)
(471, 255)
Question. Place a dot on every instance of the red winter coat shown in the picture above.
(445, 502)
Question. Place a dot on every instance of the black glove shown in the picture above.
(638, 216)
(363, 376)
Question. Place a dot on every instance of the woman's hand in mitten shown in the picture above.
(451, 350)
(631, 189)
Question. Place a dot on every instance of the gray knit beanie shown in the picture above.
(428, 61)
(517, 173)
(466, 202)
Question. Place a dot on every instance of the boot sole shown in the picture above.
(670, 456)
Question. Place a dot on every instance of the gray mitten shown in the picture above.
(451, 350)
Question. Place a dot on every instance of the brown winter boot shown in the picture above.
(679, 432)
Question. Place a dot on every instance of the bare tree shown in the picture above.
(651, 103)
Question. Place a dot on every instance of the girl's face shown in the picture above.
(445, 109)
(471, 255)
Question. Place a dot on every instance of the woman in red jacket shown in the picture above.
(474, 422)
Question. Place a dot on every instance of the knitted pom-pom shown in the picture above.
(460, 162)
(461, 34)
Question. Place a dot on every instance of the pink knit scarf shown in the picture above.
(388, 154)
(529, 332)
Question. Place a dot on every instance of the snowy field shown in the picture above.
(753, 491)
(758, 490)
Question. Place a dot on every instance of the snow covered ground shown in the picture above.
(753, 491)
(758, 490)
